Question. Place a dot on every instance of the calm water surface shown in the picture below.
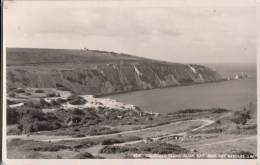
(229, 94)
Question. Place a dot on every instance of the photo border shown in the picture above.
(128, 3)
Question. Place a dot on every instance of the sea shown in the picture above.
(233, 94)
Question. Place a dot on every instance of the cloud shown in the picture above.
(179, 33)
(101, 22)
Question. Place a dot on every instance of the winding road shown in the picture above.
(46, 138)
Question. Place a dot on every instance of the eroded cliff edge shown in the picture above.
(98, 72)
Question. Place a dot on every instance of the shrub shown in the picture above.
(54, 103)
(220, 110)
(76, 129)
(61, 101)
(129, 138)
(76, 119)
(41, 126)
(78, 135)
(27, 94)
(85, 155)
(39, 91)
(19, 90)
(32, 113)
(154, 148)
(241, 117)
(11, 102)
(12, 116)
(51, 148)
(12, 94)
(36, 104)
(85, 144)
(53, 95)
(44, 103)
(162, 148)
(117, 149)
(102, 130)
(213, 110)
(40, 103)
(110, 141)
(33, 120)
(92, 121)
(78, 112)
(218, 122)
(76, 100)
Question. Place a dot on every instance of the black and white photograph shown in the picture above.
(130, 80)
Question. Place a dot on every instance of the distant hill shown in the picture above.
(26, 56)
(98, 72)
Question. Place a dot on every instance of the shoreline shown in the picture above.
(171, 86)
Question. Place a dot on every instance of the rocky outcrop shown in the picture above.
(110, 77)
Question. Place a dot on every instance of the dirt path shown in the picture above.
(61, 138)
(206, 121)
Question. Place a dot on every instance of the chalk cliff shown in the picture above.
(98, 72)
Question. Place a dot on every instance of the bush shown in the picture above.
(117, 149)
(54, 103)
(76, 100)
(39, 91)
(102, 130)
(84, 155)
(162, 148)
(85, 144)
(40, 126)
(53, 95)
(11, 102)
(33, 120)
(61, 101)
(12, 94)
(12, 116)
(218, 122)
(44, 103)
(78, 136)
(129, 138)
(241, 117)
(76, 129)
(51, 148)
(27, 94)
(19, 90)
(213, 110)
(38, 104)
(76, 119)
(110, 141)
(153, 148)
(78, 112)
(220, 110)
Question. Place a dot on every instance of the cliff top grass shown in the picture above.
(36, 56)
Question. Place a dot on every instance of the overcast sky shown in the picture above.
(178, 33)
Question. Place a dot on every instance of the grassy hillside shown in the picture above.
(27, 56)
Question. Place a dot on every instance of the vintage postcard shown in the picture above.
(104, 82)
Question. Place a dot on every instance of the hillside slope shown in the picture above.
(98, 72)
